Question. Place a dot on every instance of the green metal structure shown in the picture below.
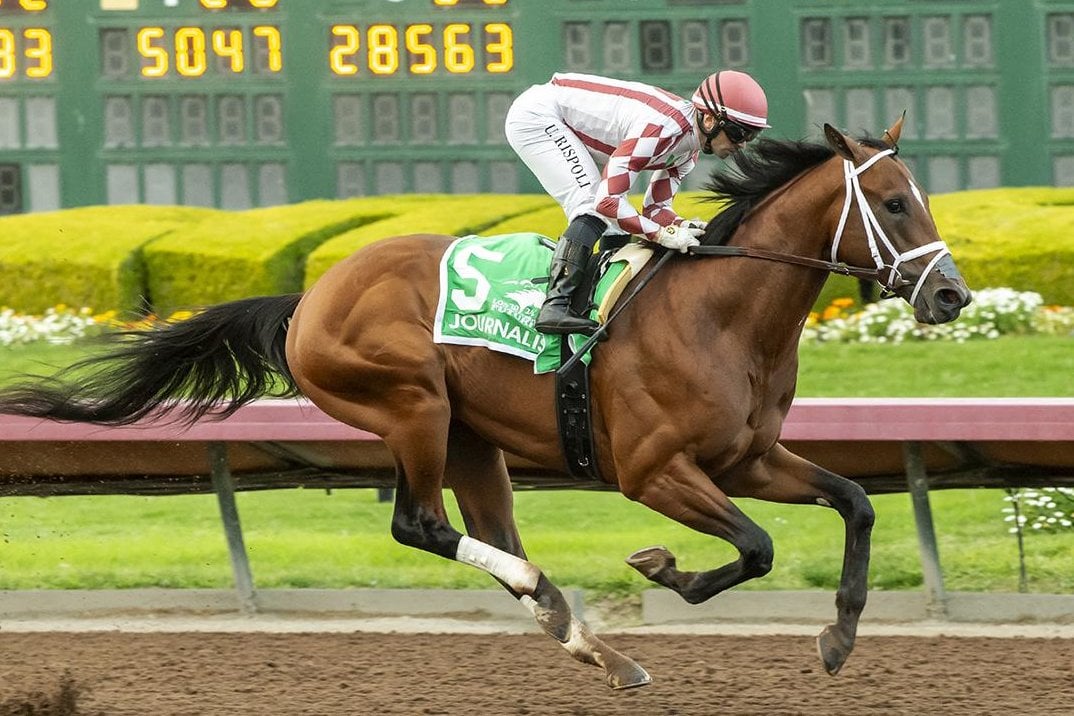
(240, 103)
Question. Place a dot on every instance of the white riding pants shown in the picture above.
(554, 153)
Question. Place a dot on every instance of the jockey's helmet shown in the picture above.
(733, 95)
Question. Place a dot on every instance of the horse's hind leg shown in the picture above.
(478, 476)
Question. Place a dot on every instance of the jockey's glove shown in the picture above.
(693, 224)
(678, 238)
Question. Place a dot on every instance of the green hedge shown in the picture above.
(116, 257)
(451, 215)
(83, 257)
(1022, 238)
(252, 253)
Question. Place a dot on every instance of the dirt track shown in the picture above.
(388, 674)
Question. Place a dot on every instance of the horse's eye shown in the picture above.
(895, 206)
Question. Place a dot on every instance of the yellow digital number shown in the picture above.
(425, 54)
(503, 47)
(7, 54)
(271, 34)
(190, 58)
(40, 52)
(340, 54)
(33, 6)
(458, 55)
(445, 3)
(383, 42)
(495, 2)
(263, 4)
(157, 56)
(228, 44)
(214, 4)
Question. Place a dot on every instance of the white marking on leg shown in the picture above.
(517, 573)
(823, 503)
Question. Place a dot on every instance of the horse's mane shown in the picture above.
(755, 173)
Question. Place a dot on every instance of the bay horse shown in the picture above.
(689, 393)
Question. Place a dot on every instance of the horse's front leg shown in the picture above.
(784, 477)
(684, 493)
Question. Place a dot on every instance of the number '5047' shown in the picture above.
(189, 49)
(382, 48)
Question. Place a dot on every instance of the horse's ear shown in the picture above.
(840, 142)
(891, 134)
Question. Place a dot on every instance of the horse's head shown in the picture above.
(885, 221)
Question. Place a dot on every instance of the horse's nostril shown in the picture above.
(949, 297)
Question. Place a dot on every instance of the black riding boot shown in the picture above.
(568, 268)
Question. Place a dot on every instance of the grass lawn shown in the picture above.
(309, 538)
(1010, 366)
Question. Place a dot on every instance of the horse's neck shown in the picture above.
(765, 300)
(775, 298)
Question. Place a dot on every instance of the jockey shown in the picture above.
(564, 129)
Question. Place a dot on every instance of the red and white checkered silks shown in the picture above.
(564, 129)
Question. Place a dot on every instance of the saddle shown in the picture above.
(591, 295)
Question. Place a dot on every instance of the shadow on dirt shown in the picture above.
(61, 700)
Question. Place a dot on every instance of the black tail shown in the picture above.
(216, 362)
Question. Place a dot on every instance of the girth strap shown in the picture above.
(573, 416)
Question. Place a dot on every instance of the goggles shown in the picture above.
(739, 133)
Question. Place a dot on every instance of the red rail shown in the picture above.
(826, 419)
(962, 442)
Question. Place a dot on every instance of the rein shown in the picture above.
(767, 255)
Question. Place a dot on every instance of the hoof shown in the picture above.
(628, 675)
(652, 560)
(832, 650)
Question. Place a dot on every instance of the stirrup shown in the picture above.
(566, 327)
(561, 321)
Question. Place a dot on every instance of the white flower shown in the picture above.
(993, 313)
(55, 326)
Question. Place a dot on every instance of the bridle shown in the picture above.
(873, 231)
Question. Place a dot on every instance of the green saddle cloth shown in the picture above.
(491, 289)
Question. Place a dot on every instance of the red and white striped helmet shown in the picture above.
(736, 95)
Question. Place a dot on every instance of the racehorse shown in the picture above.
(689, 392)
